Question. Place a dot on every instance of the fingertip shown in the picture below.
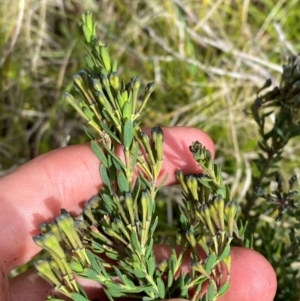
(252, 277)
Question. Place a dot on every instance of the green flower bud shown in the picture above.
(163, 265)
(97, 85)
(146, 144)
(191, 238)
(44, 228)
(192, 184)
(180, 177)
(114, 80)
(230, 211)
(157, 137)
(219, 204)
(89, 207)
(50, 243)
(202, 242)
(148, 90)
(66, 225)
(206, 215)
(44, 270)
(214, 215)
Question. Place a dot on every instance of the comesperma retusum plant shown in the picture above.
(113, 237)
(111, 242)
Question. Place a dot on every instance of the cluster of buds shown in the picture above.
(62, 241)
(208, 220)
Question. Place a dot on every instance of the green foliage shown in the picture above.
(120, 222)
(281, 242)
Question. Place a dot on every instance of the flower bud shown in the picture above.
(50, 243)
(44, 270)
(191, 238)
(206, 215)
(192, 184)
(219, 204)
(230, 211)
(214, 215)
(114, 80)
(66, 225)
(180, 177)
(157, 137)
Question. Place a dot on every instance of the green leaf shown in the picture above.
(151, 265)
(146, 298)
(128, 133)
(78, 297)
(153, 227)
(124, 278)
(114, 156)
(118, 164)
(108, 294)
(149, 250)
(139, 273)
(93, 261)
(172, 263)
(97, 247)
(135, 242)
(223, 289)
(91, 274)
(225, 253)
(170, 278)
(113, 256)
(211, 291)
(122, 182)
(204, 181)
(161, 184)
(135, 153)
(99, 153)
(210, 262)
(104, 175)
(88, 133)
(109, 132)
(161, 288)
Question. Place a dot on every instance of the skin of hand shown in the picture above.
(66, 178)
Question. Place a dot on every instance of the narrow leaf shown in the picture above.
(223, 289)
(225, 253)
(93, 261)
(78, 297)
(135, 242)
(128, 133)
(161, 288)
(211, 292)
(151, 265)
(104, 175)
(122, 182)
(210, 262)
(99, 153)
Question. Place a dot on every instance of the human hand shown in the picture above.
(66, 178)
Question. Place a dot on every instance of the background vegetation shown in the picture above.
(207, 58)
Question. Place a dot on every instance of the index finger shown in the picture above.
(66, 178)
